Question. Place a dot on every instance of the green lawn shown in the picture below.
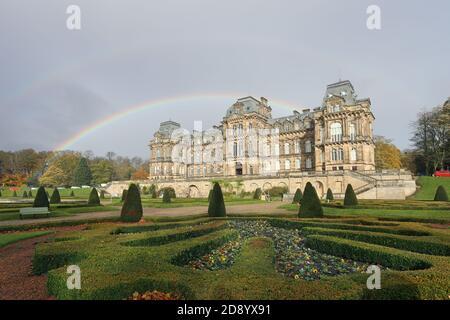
(428, 186)
(9, 238)
(160, 256)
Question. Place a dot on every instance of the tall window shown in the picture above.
(297, 163)
(308, 163)
(297, 146)
(287, 165)
(352, 131)
(235, 149)
(321, 132)
(353, 154)
(308, 146)
(286, 148)
(337, 154)
(336, 132)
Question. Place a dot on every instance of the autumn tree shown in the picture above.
(387, 155)
(60, 170)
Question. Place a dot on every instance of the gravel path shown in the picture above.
(263, 208)
(16, 280)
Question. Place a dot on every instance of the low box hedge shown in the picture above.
(364, 252)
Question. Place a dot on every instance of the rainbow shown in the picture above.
(110, 119)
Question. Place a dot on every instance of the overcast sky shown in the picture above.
(54, 82)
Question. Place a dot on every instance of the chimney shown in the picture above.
(305, 110)
(264, 101)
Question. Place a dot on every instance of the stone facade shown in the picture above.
(336, 136)
(329, 146)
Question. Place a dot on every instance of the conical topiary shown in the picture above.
(297, 196)
(216, 206)
(132, 206)
(257, 194)
(124, 195)
(41, 199)
(166, 196)
(15, 194)
(30, 194)
(94, 200)
(72, 194)
(209, 195)
(56, 197)
(350, 196)
(310, 204)
(441, 194)
(25, 194)
(330, 196)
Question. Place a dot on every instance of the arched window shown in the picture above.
(235, 149)
(297, 163)
(287, 165)
(308, 146)
(297, 146)
(286, 148)
(352, 132)
(336, 132)
(353, 154)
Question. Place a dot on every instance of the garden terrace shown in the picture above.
(251, 258)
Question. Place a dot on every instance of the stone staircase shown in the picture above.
(371, 182)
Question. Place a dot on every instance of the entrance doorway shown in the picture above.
(238, 169)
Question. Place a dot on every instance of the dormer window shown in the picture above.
(336, 108)
(343, 93)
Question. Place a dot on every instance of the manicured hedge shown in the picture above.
(289, 224)
(393, 241)
(200, 250)
(179, 236)
(364, 252)
(43, 262)
(154, 227)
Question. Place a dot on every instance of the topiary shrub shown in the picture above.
(56, 197)
(72, 194)
(350, 197)
(41, 199)
(171, 191)
(94, 200)
(132, 206)
(25, 194)
(257, 194)
(310, 204)
(216, 206)
(30, 194)
(124, 195)
(441, 194)
(297, 196)
(166, 196)
(15, 194)
(330, 196)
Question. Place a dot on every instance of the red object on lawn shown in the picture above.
(442, 173)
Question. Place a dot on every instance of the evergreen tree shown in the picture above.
(124, 195)
(216, 206)
(257, 194)
(94, 200)
(166, 196)
(350, 196)
(41, 199)
(152, 191)
(82, 175)
(330, 196)
(56, 197)
(441, 194)
(30, 194)
(297, 196)
(72, 194)
(25, 194)
(310, 204)
(132, 206)
(209, 195)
